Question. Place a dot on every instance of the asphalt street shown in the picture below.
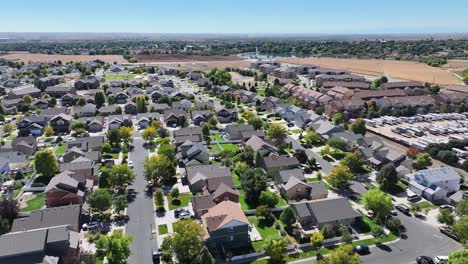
(421, 239)
(140, 211)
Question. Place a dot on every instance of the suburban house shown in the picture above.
(120, 98)
(109, 110)
(31, 125)
(324, 212)
(56, 216)
(86, 84)
(67, 188)
(61, 123)
(116, 121)
(259, 145)
(81, 166)
(294, 186)
(26, 145)
(59, 91)
(130, 108)
(94, 124)
(291, 112)
(202, 202)
(182, 105)
(192, 134)
(201, 116)
(234, 131)
(174, 117)
(67, 99)
(272, 165)
(401, 85)
(434, 184)
(145, 119)
(225, 115)
(87, 110)
(207, 178)
(193, 155)
(75, 152)
(19, 93)
(226, 226)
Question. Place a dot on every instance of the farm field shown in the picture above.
(204, 65)
(30, 57)
(404, 70)
(182, 58)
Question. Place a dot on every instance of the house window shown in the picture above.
(231, 238)
(231, 229)
(298, 190)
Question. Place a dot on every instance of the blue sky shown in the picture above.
(235, 16)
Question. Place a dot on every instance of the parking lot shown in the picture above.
(404, 132)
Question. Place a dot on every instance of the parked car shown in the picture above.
(156, 253)
(424, 260)
(185, 214)
(446, 206)
(361, 249)
(448, 231)
(393, 213)
(403, 208)
(290, 125)
(441, 259)
(177, 213)
(412, 197)
(130, 163)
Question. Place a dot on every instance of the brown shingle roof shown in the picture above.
(223, 213)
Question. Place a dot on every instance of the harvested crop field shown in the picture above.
(204, 65)
(30, 57)
(182, 58)
(404, 70)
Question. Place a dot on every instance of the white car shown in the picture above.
(130, 163)
(441, 259)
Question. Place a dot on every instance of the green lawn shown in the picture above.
(312, 180)
(261, 92)
(228, 147)
(184, 201)
(162, 229)
(60, 150)
(296, 131)
(216, 137)
(267, 233)
(35, 203)
(235, 179)
(119, 77)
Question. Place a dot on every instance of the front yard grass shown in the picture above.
(162, 229)
(267, 233)
(35, 203)
(184, 201)
(60, 150)
(217, 137)
(227, 147)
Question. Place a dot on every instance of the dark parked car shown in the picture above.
(290, 125)
(361, 249)
(448, 231)
(424, 260)
(403, 208)
(177, 213)
(156, 255)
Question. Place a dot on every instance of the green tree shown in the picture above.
(256, 122)
(359, 126)
(186, 243)
(277, 133)
(337, 143)
(378, 202)
(141, 104)
(159, 200)
(120, 203)
(45, 163)
(159, 168)
(253, 182)
(121, 176)
(287, 217)
(268, 199)
(100, 200)
(264, 215)
(276, 250)
(462, 208)
(206, 132)
(324, 231)
(353, 161)
(204, 257)
(346, 237)
(387, 177)
(4, 226)
(213, 122)
(445, 217)
(301, 155)
(424, 160)
(339, 177)
(312, 137)
(99, 99)
(461, 228)
(167, 150)
(115, 246)
(316, 239)
(458, 257)
(338, 119)
(343, 254)
(9, 128)
(149, 134)
(76, 125)
(113, 135)
(106, 148)
(377, 231)
(49, 131)
(126, 134)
